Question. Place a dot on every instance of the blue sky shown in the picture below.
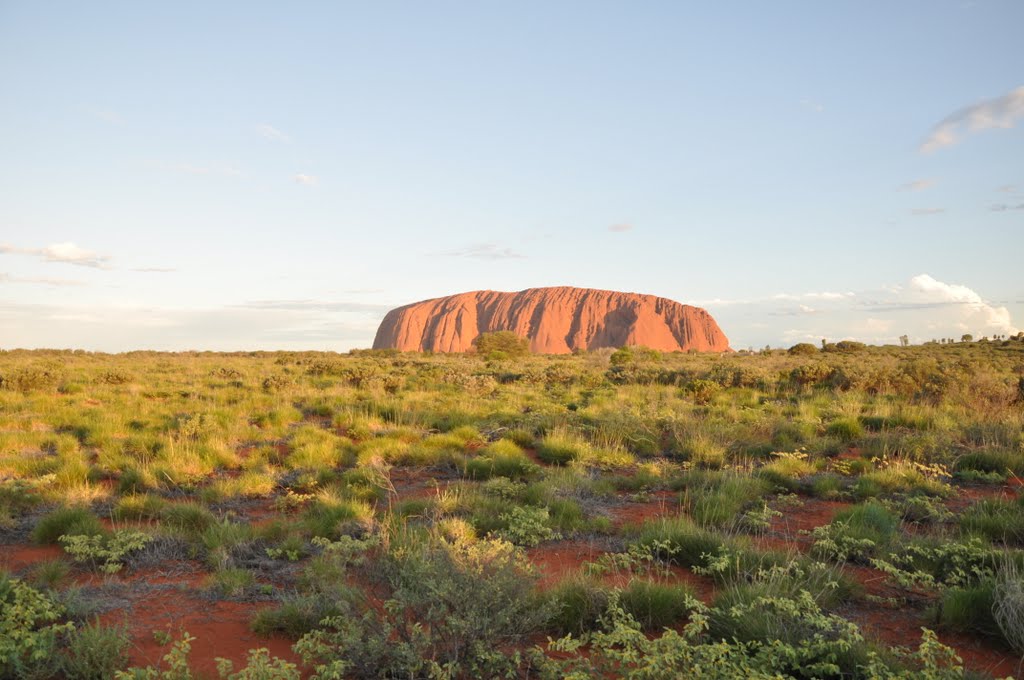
(245, 175)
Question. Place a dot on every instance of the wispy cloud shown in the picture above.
(43, 281)
(811, 105)
(225, 170)
(824, 295)
(1003, 207)
(920, 212)
(268, 131)
(317, 306)
(621, 227)
(1007, 189)
(106, 115)
(917, 185)
(307, 180)
(485, 251)
(67, 253)
(229, 328)
(154, 270)
(1000, 112)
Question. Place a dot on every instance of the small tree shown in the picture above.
(966, 337)
(502, 344)
(803, 348)
(904, 341)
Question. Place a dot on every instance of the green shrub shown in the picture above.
(527, 526)
(95, 652)
(29, 631)
(105, 552)
(501, 345)
(69, 521)
(452, 604)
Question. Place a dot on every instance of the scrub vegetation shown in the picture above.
(847, 513)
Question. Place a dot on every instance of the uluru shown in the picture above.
(556, 320)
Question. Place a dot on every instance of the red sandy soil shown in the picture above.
(18, 557)
(415, 483)
(662, 503)
(559, 560)
(221, 628)
(969, 495)
(901, 625)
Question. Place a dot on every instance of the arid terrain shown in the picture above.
(816, 512)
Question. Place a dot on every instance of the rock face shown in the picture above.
(556, 320)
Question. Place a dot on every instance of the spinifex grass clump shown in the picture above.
(72, 521)
(503, 458)
(717, 498)
(858, 533)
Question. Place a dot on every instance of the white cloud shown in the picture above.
(66, 252)
(308, 180)
(972, 310)
(922, 307)
(921, 212)
(917, 185)
(485, 251)
(268, 131)
(998, 113)
(1003, 207)
(621, 227)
